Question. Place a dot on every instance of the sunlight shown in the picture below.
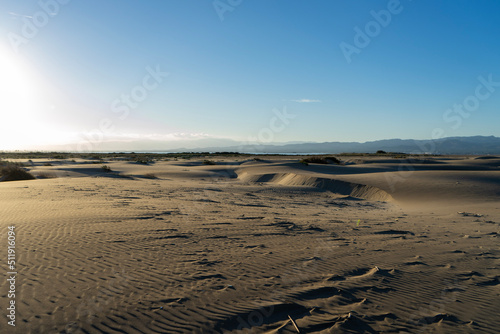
(20, 103)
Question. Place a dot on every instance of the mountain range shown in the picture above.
(448, 145)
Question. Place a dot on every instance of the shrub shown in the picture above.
(45, 176)
(320, 160)
(144, 161)
(150, 176)
(334, 160)
(208, 162)
(13, 172)
(106, 168)
(381, 152)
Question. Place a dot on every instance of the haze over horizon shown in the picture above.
(82, 75)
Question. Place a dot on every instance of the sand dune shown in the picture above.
(335, 186)
(267, 246)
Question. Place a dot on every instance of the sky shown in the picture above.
(93, 75)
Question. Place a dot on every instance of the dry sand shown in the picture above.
(244, 246)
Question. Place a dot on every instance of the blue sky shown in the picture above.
(233, 66)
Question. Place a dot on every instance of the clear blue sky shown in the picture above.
(233, 65)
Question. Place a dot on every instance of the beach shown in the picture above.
(262, 244)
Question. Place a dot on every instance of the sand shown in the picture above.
(376, 245)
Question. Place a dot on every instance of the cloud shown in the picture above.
(127, 137)
(306, 101)
(20, 15)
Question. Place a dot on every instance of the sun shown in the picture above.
(20, 102)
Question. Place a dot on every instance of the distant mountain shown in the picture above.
(449, 145)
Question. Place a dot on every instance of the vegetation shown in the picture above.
(209, 162)
(144, 161)
(45, 176)
(116, 155)
(100, 158)
(106, 168)
(10, 171)
(321, 160)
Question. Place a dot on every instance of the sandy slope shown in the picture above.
(377, 245)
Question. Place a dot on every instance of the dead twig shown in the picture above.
(294, 324)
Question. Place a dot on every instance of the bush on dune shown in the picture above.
(45, 176)
(13, 172)
(320, 160)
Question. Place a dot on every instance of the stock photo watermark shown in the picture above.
(471, 103)
(93, 306)
(455, 117)
(424, 317)
(277, 124)
(122, 107)
(221, 7)
(11, 275)
(364, 36)
(294, 276)
(32, 24)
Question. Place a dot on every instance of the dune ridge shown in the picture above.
(336, 186)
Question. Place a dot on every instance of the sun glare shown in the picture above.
(20, 103)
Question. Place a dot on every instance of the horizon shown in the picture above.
(83, 75)
(422, 146)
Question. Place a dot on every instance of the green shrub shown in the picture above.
(209, 162)
(106, 168)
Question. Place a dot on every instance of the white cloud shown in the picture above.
(20, 15)
(129, 137)
(306, 101)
